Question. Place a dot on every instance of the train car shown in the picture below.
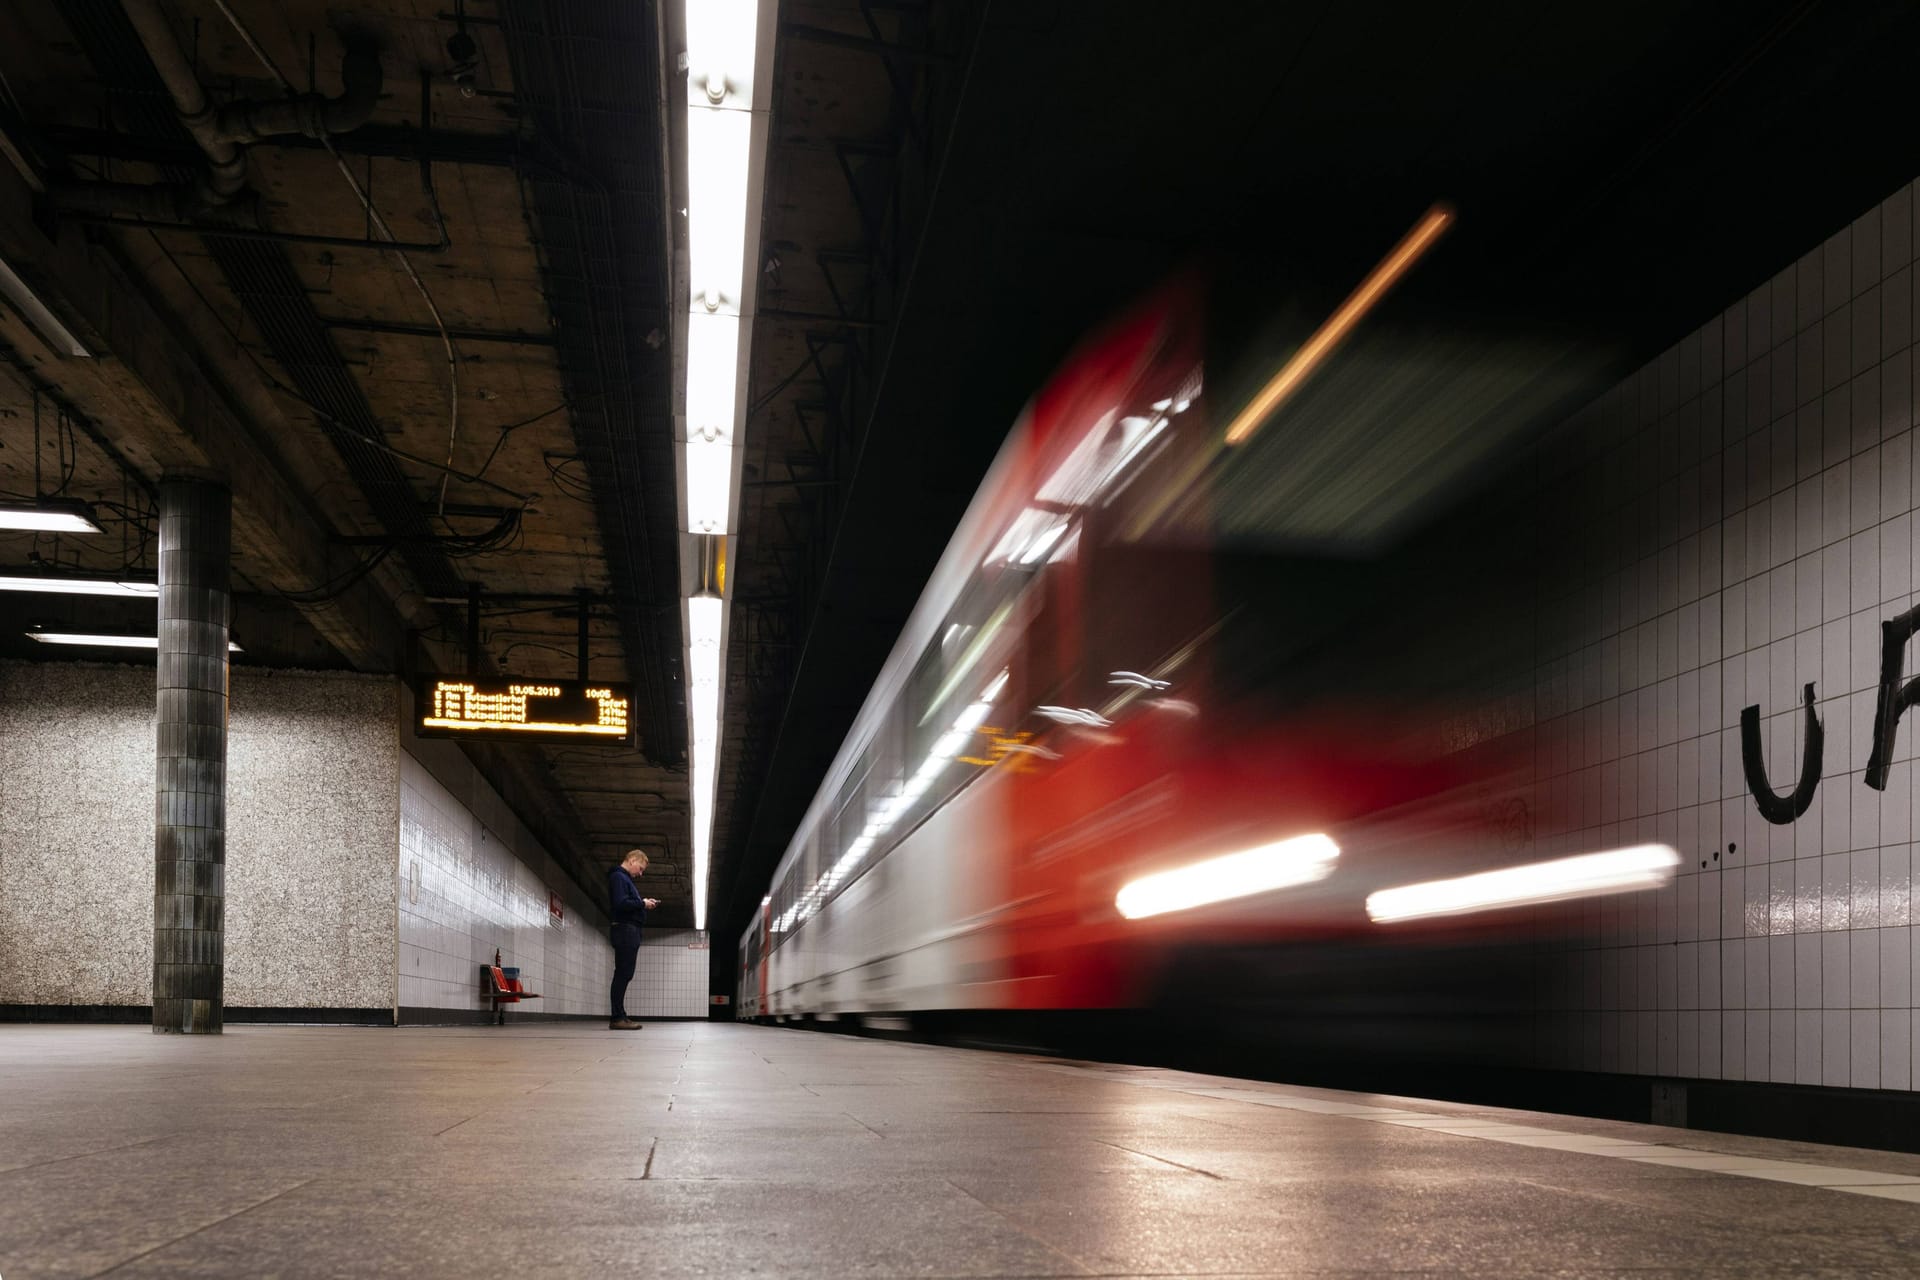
(1116, 732)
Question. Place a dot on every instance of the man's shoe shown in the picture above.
(623, 1024)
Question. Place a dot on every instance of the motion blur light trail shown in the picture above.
(1340, 323)
(1645, 866)
(1282, 865)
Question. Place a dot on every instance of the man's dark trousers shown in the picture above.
(626, 949)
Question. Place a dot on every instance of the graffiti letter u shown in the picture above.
(1779, 809)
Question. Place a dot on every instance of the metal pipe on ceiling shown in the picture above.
(226, 166)
(220, 131)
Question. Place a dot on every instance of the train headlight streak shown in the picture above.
(1281, 865)
(1330, 334)
(1645, 866)
(726, 116)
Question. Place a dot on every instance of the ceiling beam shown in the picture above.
(167, 407)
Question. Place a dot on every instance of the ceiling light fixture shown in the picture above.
(47, 584)
(725, 145)
(37, 314)
(100, 640)
(49, 515)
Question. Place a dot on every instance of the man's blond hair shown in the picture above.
(636, 854)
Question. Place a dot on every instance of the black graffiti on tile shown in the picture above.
(1774, 807)
(1895, 700)
(1895, 697)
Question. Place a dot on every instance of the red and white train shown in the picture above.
(1107, 736)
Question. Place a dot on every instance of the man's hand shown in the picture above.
(651, 902)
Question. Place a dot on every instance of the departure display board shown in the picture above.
(524, 710)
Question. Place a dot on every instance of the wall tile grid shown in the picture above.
(472, 879)
(670, 975)
(1740, 519)
(310, 835)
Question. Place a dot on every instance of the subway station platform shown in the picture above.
(705, 1149)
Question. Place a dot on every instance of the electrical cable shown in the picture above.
(568, 487)
(346, 427)
(768, 398)
(339, 584)
(512, 427)
(379, 223)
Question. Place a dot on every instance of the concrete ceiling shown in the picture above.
(303, 363)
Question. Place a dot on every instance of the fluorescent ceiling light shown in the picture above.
(722, 60)
(15, 290)
(709, 486)
(1644, 866)
(706, 710)
(720, 45)
(704, 615)
(718, 147)
(1282, 865)
(713, 365)
(49, 515)
(48, 585)
(106, 641)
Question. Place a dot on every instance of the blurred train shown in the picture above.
(1154, 737)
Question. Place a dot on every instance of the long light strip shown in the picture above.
(1643, 866)
(43, 585)
(723, 63)
(1329, 335)
(1280, 865)
(106, 641)
(49, 515)
(58, 336)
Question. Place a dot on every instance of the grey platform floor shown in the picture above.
(695, 1149)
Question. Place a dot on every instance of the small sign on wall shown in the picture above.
(554, 906)
(720, 999)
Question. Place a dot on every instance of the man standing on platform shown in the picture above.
(628, 911)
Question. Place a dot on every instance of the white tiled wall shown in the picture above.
(670, 975)
(483, 883)
(1739, 518)
(464, 892)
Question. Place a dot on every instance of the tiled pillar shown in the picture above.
(190, 800)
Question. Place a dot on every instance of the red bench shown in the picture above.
(496, 986)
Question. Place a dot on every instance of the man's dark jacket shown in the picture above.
(624, 903)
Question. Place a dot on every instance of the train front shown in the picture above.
(1223, 707)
